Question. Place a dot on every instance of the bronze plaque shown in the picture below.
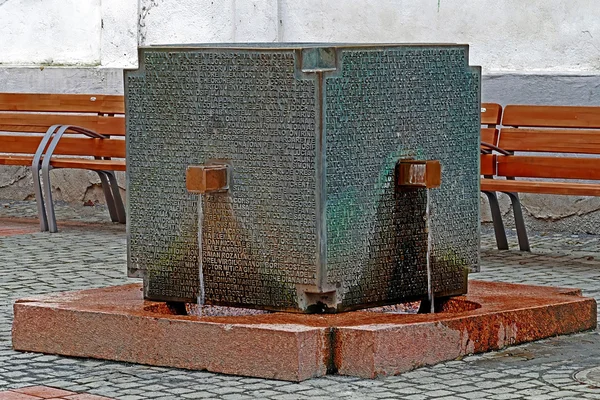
(311, 137)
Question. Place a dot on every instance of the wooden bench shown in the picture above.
(46, 131)
(554, 134)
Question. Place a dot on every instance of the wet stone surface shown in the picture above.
(94, 255)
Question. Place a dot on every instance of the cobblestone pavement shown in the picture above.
(93, 255)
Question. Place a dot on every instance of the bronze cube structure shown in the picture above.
(303, 177)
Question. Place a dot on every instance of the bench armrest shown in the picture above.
(85, 131)
(39, 153)
(57, 136)
(489, 147)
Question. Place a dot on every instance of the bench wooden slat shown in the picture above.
(25, 122)
(68, 146)
(491, 113)
(91, 147)
(550, 140)
(561, 188)
(107, 104)
(95, 165)
(551, 116)
(16, 160)
(488, 164)
(489, 135)
(20, 144)
(78, 163)
(548, 167)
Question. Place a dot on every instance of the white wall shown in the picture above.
(118, 33)
(505, 36)
(205, 21)
(68, 32)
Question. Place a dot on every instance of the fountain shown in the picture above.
(278, 191)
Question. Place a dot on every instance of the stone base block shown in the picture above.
(117, 324)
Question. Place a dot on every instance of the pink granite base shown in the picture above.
(117, 324)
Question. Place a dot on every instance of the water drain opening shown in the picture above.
(589, 376)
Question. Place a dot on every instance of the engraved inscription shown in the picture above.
(245, 109)
(386, 105)
(257, 112)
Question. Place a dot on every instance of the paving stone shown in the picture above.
(501, 390)
(132, 391)
(196, 395)
(153, 395)
(290, 396)
(591, 396)
(505, 396)
(313, 392)
(488, 384)
(432, 386)
(474, 395)
(439, 393)
(259, 394)
(465, 388)
(227, 390)
(450, 398)
(417, 397)
(453, 382)
(407, 389)
(239, 396)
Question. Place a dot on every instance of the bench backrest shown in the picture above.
(23, 112)
(550, 129)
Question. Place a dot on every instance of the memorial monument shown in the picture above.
(307, 178)
(310, 215)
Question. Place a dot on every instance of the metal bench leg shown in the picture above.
(37, 184)
(39, 199)
(48, 195)
(116, 194)
(46, 176)
(519, 222)
(108, 195)
(499, 230)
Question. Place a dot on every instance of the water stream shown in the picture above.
(201, 293)
(428, 261)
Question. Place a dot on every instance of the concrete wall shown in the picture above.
(535, 52)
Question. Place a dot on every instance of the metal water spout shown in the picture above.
(423, 174)
(204, 179)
